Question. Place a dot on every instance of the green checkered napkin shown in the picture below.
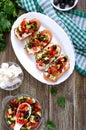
(73, 22)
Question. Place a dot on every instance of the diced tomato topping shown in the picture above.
(37, 106)
(41, 43)
(26, 31)
(14, 108)
(23, 24)
(54, 52)
(41, 62)
(12, 125)
(23, 106)
(23, 121)
(36, 42)
(27, 124)
(35, 48)
(18, 115)
(13, 101)
(54, 69)
(51, 48)
(20, 121)
(29, 101)
(33, 125)
(22, 114)
(49, 71)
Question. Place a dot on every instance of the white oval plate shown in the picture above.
(59, 36)
(66, 8)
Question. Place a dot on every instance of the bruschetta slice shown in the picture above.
(57, 68)
(26, 28)
(47, 55)
(37, 42)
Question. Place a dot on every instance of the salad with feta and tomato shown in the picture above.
(12, 108)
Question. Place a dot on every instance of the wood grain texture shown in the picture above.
(73, 116)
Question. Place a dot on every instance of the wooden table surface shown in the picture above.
(73, 116)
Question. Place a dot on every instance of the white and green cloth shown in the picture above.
(73, 22)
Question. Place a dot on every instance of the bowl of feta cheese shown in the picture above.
(11, 76)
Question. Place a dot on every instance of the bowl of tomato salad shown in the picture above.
(10, 106)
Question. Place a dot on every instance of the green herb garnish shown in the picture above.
(42, 37)
(50, 125)
(8, 13)
(54, 91)
(61, 101)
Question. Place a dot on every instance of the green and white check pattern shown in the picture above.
(73, 22)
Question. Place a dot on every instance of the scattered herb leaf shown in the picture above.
(61, 101)
(50, 125)
(54, 91)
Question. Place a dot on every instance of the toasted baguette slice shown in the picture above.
(26, 28)
(37, 42)
(57, 68)
(47, 55)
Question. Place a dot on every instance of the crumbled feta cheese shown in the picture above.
(9, 75)
(26, 35)
(4, 65)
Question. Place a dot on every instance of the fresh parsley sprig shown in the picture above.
(50, 125)
(54, 91)
(61, 101)
(8, 13)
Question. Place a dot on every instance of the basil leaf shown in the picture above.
(50, 125)
(61, 101)
(54, 91)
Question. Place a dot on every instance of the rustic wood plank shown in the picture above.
(80, 103)
(63, 117)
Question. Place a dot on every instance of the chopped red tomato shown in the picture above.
(13, 101)
(23, 24)
(41, 62)
(33, 125)
(29, 101)
(12, 125)
(20, 121)
(26, 31)
(49, 71)
(37, 106)
(27, 124)
(54, 52)
(51, 48)
(36, 42)
(35, 48)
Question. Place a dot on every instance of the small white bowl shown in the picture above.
(66, 8)
(8, 82)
